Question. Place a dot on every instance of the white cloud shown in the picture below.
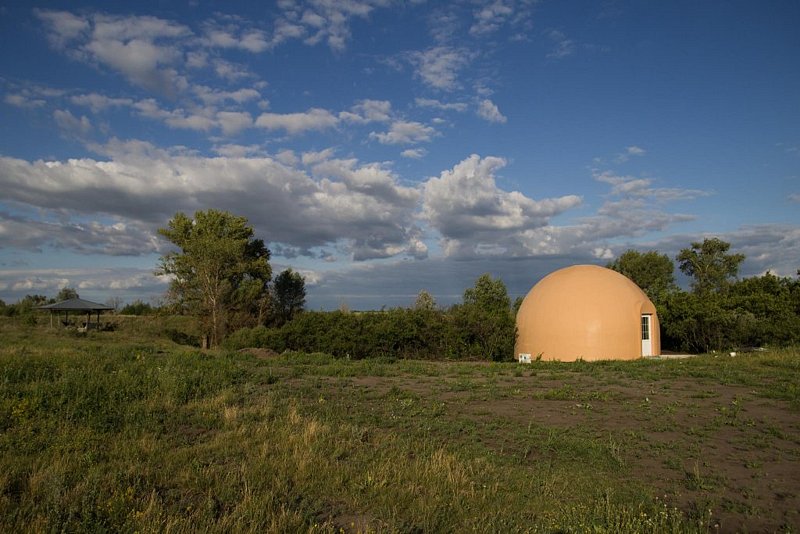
(368, 111)
(237, 151)
(475, 217)
(563, 46)
(63, 26)
(630, 151)
(211, 96)
(794, 197)
(359, 206)
(70, 124)
(230, 71)
(233, 122)
(295, 123)
(489, 111)
(231, 36)
(97, 284)
(439, 66)
(97, 102)
(199, 120)
(23, 101)
(642, 188)
(318, 21)
(143, 49)
(437, 104)
(404, 132)
(489, 17)
(414, 153)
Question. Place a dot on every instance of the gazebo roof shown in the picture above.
(76, 305)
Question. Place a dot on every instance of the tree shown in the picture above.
(137, 307)
(425, 301)
(288, 295)
(709, 264)
(66, 293)
(488, 295)
(651, 271)
(486, 321)
(219, 268)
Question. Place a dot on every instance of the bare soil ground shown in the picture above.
(695, 445)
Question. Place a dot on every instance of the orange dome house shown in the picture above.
(587, 312)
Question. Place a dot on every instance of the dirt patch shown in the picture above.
(693, 444)
(259, 352)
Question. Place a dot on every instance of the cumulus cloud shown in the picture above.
(93, 284)
(232, 150)
(439, 66)
(317, 21)
(414, 153)
(72, 125)
(231, 34)
(215, 96)
(361, 207)
(98, 102)
(489, 111)
(295, 123)
(118, 238)
(642, 188)
(368, 111)
(437, 104)
(476, 217)
(404, 133)
(630, 151)
(143, 49)
(489, 17)
(232, 122)
(23, 101)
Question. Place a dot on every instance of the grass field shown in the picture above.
(129, 431)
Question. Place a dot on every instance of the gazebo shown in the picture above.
(76, 305)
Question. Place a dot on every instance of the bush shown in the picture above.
(460, 333)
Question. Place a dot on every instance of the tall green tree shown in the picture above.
(488, 295)
(651, 271)
(219, 267)
(709, 264)
(66, 293)
(425, 301)
(288, 295)
(486, 320)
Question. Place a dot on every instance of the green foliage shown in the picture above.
(66, 293)
(651, 271)
(709, 264)
(481, 328)
(100, 435)
(288, 295)
(756, 311)
(425, 301)
(221, 270)
(485, 321)
(137, 307)
(396, 333)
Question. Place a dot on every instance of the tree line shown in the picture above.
(720, 311)
(220, 273)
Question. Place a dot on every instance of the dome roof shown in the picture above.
(585, 312)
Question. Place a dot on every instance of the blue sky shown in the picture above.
(382, 147)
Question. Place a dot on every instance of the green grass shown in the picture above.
(129, 431)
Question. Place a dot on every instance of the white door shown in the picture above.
(647, 344)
